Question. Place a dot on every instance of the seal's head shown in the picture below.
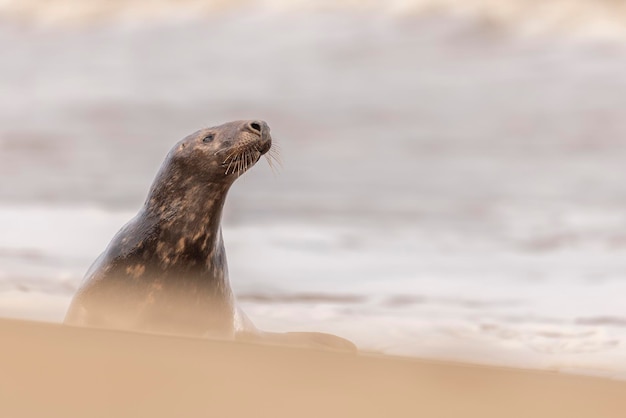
(200, 169)
(226, 151)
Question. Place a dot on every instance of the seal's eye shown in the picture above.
(208, 138)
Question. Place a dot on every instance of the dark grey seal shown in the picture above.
(165, 271)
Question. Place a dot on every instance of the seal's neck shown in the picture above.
(187, 208)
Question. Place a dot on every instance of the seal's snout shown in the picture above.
(260, 128)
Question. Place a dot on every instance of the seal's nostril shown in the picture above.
(256, 126)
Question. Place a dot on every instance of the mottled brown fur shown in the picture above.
(165, 271)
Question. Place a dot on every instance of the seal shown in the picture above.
(165, 271)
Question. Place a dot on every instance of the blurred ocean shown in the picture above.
(598, 18)
(452, 182)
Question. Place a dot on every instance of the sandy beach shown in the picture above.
(58, 371)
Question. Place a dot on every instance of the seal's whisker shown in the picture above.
(272, 157)
(240, 164)
(242, 158)
(274, 153)
(249, 160)
(275, 156)
(235, 161)
(269, 162)
(230, 163)
(230, 156)
(275, 149)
